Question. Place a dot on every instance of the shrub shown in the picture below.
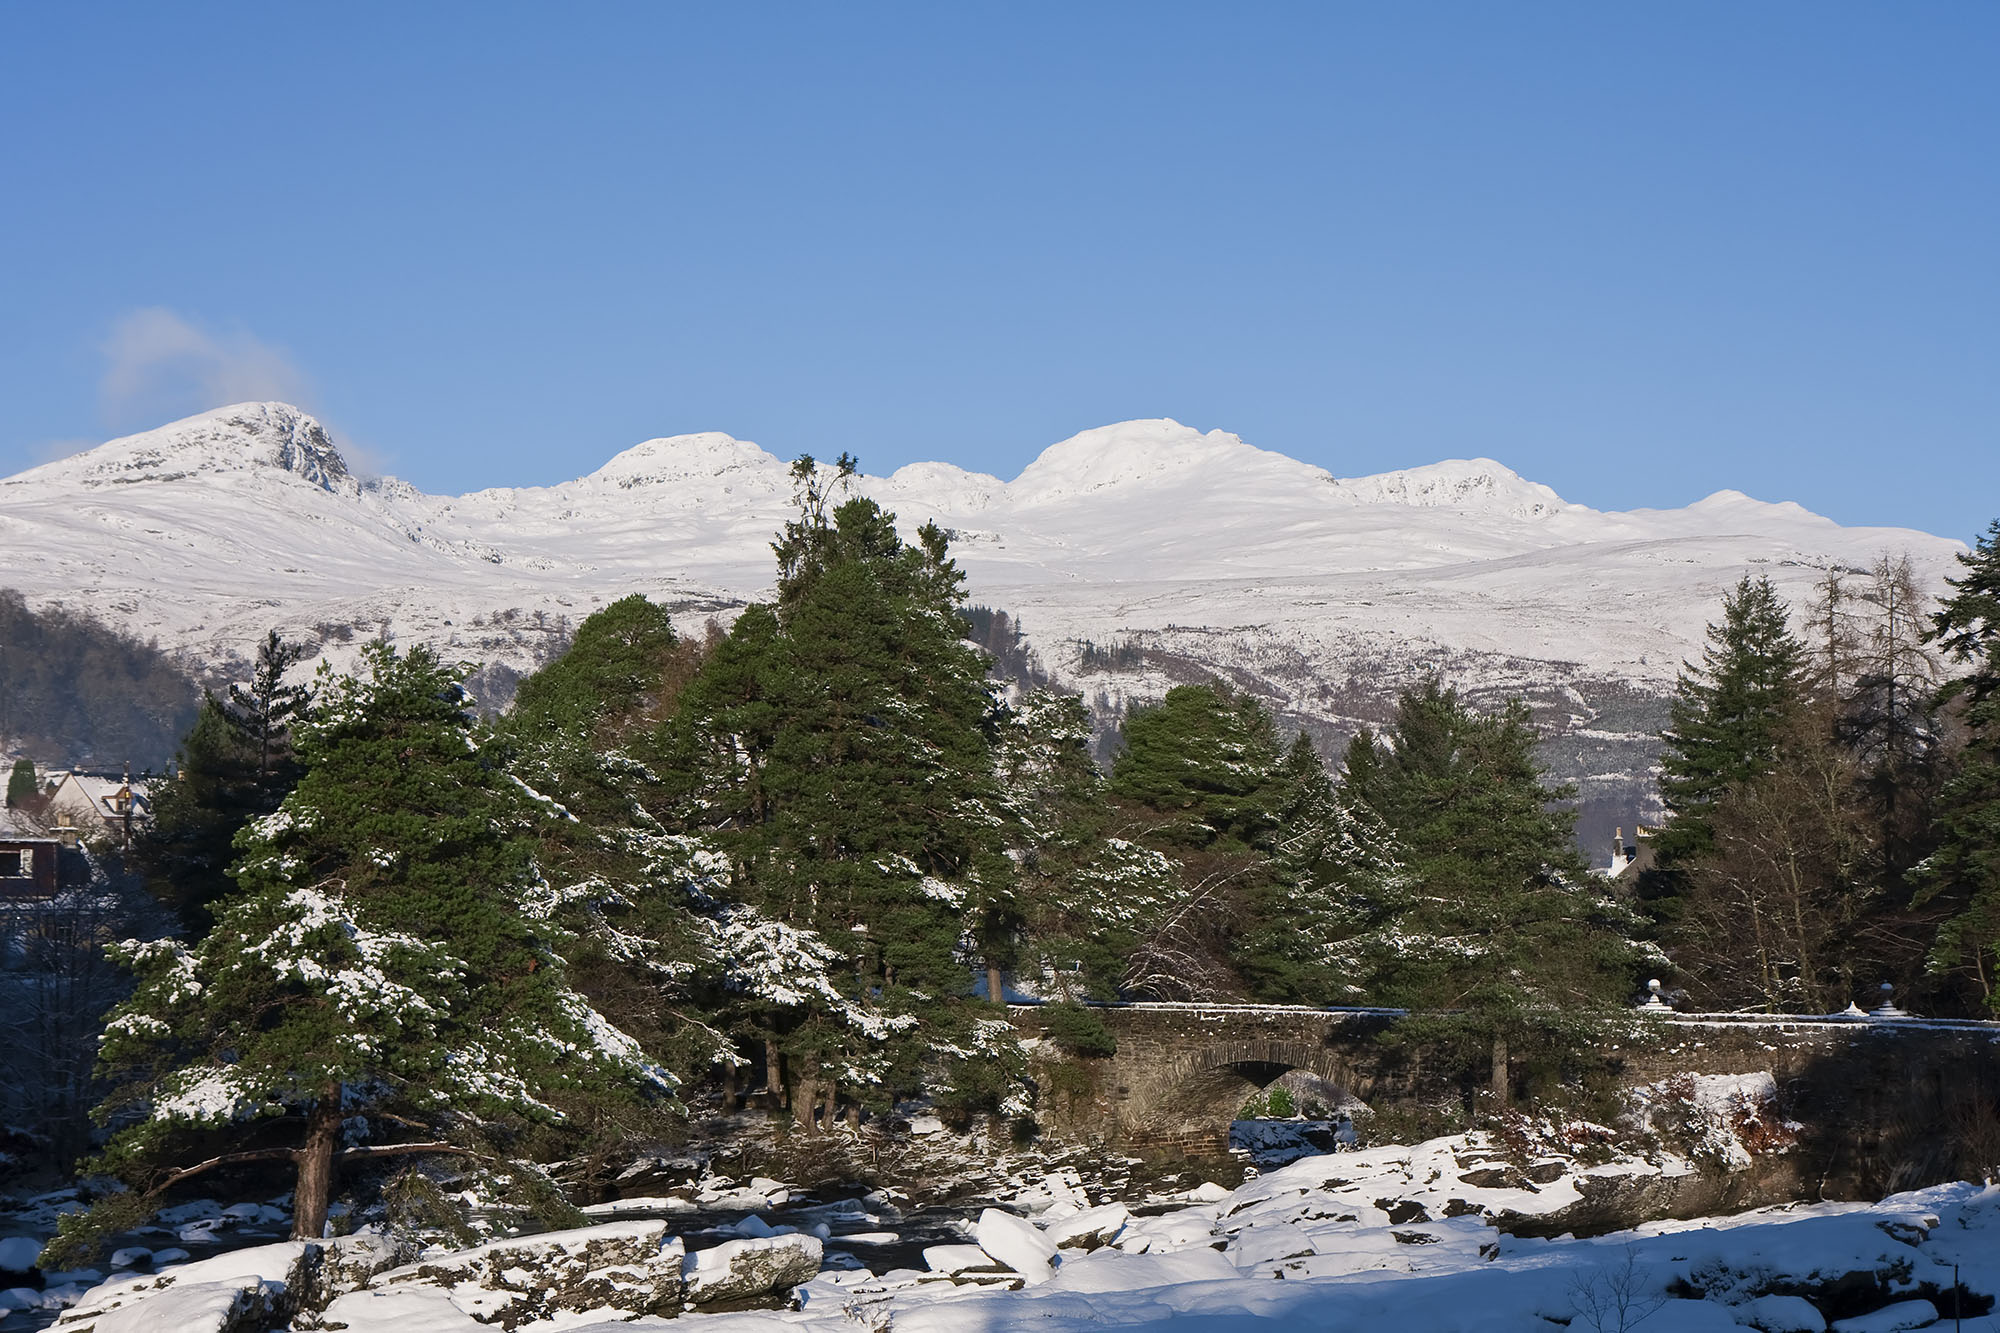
(1078, 1031)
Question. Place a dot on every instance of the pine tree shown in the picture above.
(1500, 922)
(1338, 882)
(837, 750)
(1964, 871)
(21, 784)
(1727, 714)
(1204, 768)
(263, 709)
(582, 738)
(1208, 760)
(234, 765)
(1086, 892)
(372, 970)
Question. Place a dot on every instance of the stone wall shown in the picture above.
(1875, 1097)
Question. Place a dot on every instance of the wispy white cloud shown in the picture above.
(159, 364)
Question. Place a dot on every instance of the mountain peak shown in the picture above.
(680, 458)
(237, 438)
(1458, 483)
(1149, 450)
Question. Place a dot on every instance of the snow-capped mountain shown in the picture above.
(1198, 549)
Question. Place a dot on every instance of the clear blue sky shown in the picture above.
(1637, 251)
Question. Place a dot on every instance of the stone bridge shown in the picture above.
(1182, 1071)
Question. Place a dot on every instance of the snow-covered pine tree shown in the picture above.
(836, 749)
(616, 884)
(1337, 882)
(1501, 924)
(372, 977)
(1204, 767)
(1085, 891)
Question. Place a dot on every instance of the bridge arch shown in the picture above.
(1189, 1099)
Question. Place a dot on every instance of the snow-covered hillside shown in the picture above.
(1201, 550)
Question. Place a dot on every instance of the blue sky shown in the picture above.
(1639, 252)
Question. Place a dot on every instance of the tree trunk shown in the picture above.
(315, 1159)
(832, 1107)
(994, 991)
(774, 1077)
(805, 1101)
(1501, 1093)
(728, 1088)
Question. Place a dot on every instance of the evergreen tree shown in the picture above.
(263, 710)
(373, 973)
(21, 784)
(1203, 766)
(1086, 892)
(1964, 871)
(1208, 760)
(1727, 714)
(836, 749)
(1338, 883)
(234, 765)
(615, 882)
(1499, 922)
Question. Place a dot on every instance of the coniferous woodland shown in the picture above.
(802, 859)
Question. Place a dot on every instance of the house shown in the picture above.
(95, 806)
(30, 860)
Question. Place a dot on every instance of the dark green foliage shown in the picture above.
(1727, 714)
(1964, 872)
(22, 785)
(373, 964)
(1208, 760)
(76, 691)
(234, 765)
(836, 750)
(1077, 1031)
(1085, 892)
(1336, 880)
(1500, 922)
(583, 737)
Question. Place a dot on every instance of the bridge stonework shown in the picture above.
(1182, 1070)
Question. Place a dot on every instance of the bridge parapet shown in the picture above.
(1182, 1069)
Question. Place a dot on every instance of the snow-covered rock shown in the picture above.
(1089, 1229)
(745, 1269)
(1780, 1314)
(1891, 1318)
(18, 1254)
(1017, 1243)
(632, 1266)
(954, 1259)
(230, 1293)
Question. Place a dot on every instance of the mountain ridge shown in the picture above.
(1201, 554)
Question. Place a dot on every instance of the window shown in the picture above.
(13, 865)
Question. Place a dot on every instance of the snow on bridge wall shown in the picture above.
(1869, 1091)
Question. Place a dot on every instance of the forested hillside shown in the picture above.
(74, 691)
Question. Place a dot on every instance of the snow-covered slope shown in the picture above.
(1196, 547)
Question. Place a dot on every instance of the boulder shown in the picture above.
(1780, 1314)
(1089, 1229)
(955, 1259)
(633, 1267)
(231, 1293)
(1017, 1243)
(18, 1255)
(740, 1270)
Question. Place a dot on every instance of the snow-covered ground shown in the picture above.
(1400, 1238)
